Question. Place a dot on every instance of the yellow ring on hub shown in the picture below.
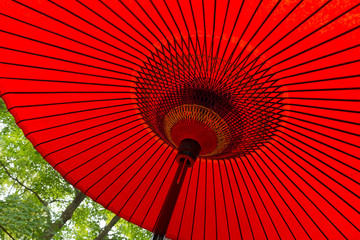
(203, 115)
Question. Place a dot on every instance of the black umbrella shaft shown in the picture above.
(170, 201)
(188, 152)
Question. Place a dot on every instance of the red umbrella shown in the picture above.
(259, 100)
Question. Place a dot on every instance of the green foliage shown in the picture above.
(24, 218)
(33, 195)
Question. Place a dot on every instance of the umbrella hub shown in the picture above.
(199, 123)
(229, 109)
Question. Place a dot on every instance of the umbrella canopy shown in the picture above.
(105, 90)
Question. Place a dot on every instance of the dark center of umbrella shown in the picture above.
(229, 111)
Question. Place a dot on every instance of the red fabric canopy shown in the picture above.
(82, 79)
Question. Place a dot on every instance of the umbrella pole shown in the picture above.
(187, 153)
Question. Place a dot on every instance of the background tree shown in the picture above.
(37, 203)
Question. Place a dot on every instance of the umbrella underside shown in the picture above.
(106, 90)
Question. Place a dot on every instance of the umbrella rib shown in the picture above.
(196, 196)
(272, 30)
(64, 92)
(290, 110)
(93, 25)
(186, 196)
(152, 182)
(322, 152)
(205, 40)
(66, 71)
(321, 172)
(324, 108)
(64, 103)
(68, 61)
(79, 30)
(88, 128)
(194, 47)
(172, 34)
(164, 71)
(322, 125)
(64, 81)
(85, 33)
(313, 190)
(167, 26)
(241, 196)
(88, 148)
(73, 112)
(333, 38)
(162, 45)
(282, 197)
(197, 39)
(212, 39)
(109, 22)
(322, 80)
(311, 48)
(251, 77)
(320, 69)
(161, 185)
(233, 199)
(325, 117)
(205, 189)
(326, 99)
(98, 144)
(251, 199)
(350, 155)
(325, 135)
(316, 59)
(72, 51)
(276, 80)
(317, 226)
(326, 89)
(261, 199)
(176, 43)
(260, 88)
(296, 27)
(78, 121)
(333, 179)
(113, 169)
(317, 45)
(226, 69)
(99, 154)
(316, 30)
(68, 38)
(130, 179)
(277, 191)
(238, 57)
(231, 35)
(305, 72)
(179, 32)
(323, 144)
(223, 195)
(214, 190)
(222, 32)
(144, 25)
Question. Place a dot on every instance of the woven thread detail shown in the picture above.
(203, 115)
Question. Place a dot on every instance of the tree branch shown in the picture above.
(107, 228)
(23, 185)
(7, 232)
(65, 216)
